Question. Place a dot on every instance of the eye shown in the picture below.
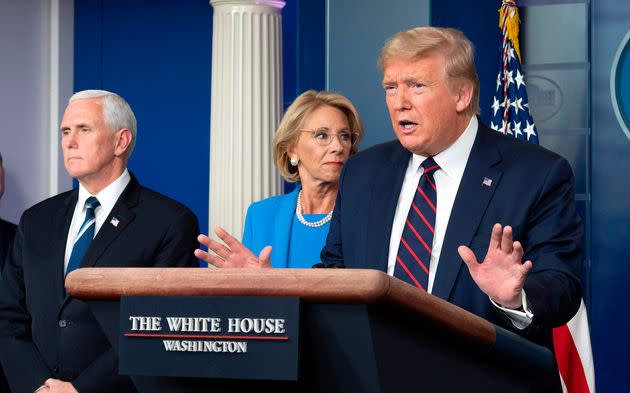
(390, 90)
(322, 135)
(416, 86)
(345, 136)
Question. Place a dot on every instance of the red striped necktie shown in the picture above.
(414, 252)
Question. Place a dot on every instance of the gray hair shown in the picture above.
(117, 113)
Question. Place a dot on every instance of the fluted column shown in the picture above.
(246, 107)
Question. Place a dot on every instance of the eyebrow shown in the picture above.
(406, 81)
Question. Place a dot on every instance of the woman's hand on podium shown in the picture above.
(231, 253)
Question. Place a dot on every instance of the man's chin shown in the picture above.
(74, 173)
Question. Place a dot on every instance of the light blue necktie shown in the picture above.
(85, 235)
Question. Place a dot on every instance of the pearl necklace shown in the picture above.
(300, 217)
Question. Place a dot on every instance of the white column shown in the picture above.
(246, 107)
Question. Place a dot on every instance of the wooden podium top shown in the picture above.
(356, 286)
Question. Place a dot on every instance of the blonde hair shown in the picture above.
(289, 129)
(457, 50)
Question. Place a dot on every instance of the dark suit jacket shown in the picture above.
(43, 332)
(531, 190)
(7, 233)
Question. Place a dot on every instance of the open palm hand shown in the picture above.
(501, 275)
(231, 253)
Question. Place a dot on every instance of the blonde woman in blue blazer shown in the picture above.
(317, 134)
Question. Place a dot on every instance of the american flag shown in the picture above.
(510, 106)
(510, 115)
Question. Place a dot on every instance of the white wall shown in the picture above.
(356, 33)
(32, 80)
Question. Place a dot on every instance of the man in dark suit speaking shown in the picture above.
(50, 342)
(450, 190)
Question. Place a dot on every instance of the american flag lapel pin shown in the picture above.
(114, 221)
(487, 182)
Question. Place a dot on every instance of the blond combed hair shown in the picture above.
(293, 120)
(452, 44)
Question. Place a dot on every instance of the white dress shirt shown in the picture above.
(107, 198)
(452, 162)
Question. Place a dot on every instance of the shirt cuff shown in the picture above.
(519, 318)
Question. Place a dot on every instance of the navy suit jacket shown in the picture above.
(531, 190)
(43, 332)
(7, 233)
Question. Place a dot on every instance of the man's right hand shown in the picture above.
(56, 386)
(231, 253)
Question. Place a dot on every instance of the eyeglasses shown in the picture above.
(325, 137)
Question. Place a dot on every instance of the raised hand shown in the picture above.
(57, 386)
(231, 253)
(502, 273)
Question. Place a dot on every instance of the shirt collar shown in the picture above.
(453, 159)
(108, 195)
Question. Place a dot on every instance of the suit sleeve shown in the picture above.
(332, 253)
(179, 243)
(23, 365)
(102, 376)
(554, 243)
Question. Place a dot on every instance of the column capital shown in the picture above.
(277, 4)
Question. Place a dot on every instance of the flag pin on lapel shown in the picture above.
(114, 222)
(487, 182)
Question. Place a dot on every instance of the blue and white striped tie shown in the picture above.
(85, 235)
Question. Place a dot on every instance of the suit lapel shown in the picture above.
(382, 207)
(122, 214)
(283, 224)
(481, 177)
(59, 227)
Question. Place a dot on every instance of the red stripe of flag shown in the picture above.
(569, 362)
(415, 256)
(409, 273)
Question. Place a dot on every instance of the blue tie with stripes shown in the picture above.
(84, 236)
(414, 252)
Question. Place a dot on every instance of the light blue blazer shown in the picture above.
(268, 223)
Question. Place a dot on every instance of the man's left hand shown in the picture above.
(502, 273)
(59, 386)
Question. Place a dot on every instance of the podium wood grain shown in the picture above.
(358, 286)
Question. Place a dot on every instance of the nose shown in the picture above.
(69, 140)
(335, 144)
(401, 100)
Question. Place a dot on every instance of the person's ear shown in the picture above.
(123, 142)
(463, 97)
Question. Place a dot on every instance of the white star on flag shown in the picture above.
(572, 344)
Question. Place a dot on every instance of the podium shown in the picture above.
(360, 331)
